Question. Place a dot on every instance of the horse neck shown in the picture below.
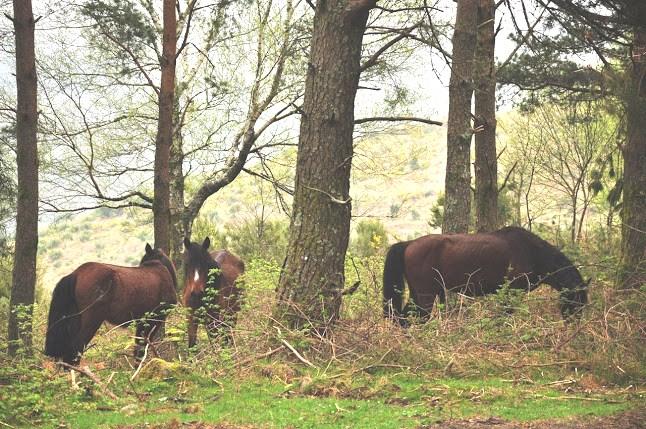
(558, 271)
(171, 269)
(166, 263)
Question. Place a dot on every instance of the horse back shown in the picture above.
(95, 284)
(122, 293)
(473, 263)
(150, 279)
(231, 268)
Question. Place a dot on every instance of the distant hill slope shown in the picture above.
(396, 178)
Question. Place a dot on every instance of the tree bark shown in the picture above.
(486, 164)
(457, 184)
(313, 273)
(634, 152)
(164, 141)
(24, 268)
(176, 197)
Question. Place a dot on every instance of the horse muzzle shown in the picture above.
(195, 299)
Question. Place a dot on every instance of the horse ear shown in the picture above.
(207, 243)
(149, 249)
(187, 242)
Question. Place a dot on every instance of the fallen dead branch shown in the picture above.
(141, 363)
(85, 370)
(298, 355)
(580, 398)
(260, 356)
(534, 365)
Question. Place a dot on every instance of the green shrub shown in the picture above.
(249, 240)
(259, 239)
(371, 238)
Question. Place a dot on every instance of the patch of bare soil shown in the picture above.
(634, 419)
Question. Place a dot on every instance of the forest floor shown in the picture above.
(284, 393)
(470, 367)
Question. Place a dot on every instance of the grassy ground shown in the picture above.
(472, 366)
(284, 393)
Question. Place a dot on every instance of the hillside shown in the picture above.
(396, 178)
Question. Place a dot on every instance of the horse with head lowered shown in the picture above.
(475, 265)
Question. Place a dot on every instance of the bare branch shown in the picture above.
(397, 119)
(372, 61)
(509, 173)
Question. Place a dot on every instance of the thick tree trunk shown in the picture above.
(176, 201)
(24, 268)
(161, 202)
(486, 165)
(457, 184)
(634, 206)
(313, 273)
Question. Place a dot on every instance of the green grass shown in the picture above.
(336, 400)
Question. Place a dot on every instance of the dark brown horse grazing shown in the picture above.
(477, 264)
(95, 292)
(210, 286)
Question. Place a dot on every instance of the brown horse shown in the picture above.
(95, 292)
(474, 265)
(210, 287)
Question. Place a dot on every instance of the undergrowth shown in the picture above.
(474, 357)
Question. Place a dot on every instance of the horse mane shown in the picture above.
(551, 261)
(166, 262)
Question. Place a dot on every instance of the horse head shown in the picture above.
(573, 290)
(200, 274)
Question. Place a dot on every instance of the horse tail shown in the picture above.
(394, 280)
(63, 324)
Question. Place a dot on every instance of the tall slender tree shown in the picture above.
(486, 165)
(457, 184)
(164, 140)
(309, 291)
(24, 267)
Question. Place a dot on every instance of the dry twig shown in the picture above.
(298, 355)
(85, 370)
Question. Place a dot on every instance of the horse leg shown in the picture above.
(147, 328)
(157, 324)
(424, 301)
(89, 325)
(141, 338)
(192, 328)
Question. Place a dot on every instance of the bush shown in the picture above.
(249, 240)
(259, 239)
(371, 238)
